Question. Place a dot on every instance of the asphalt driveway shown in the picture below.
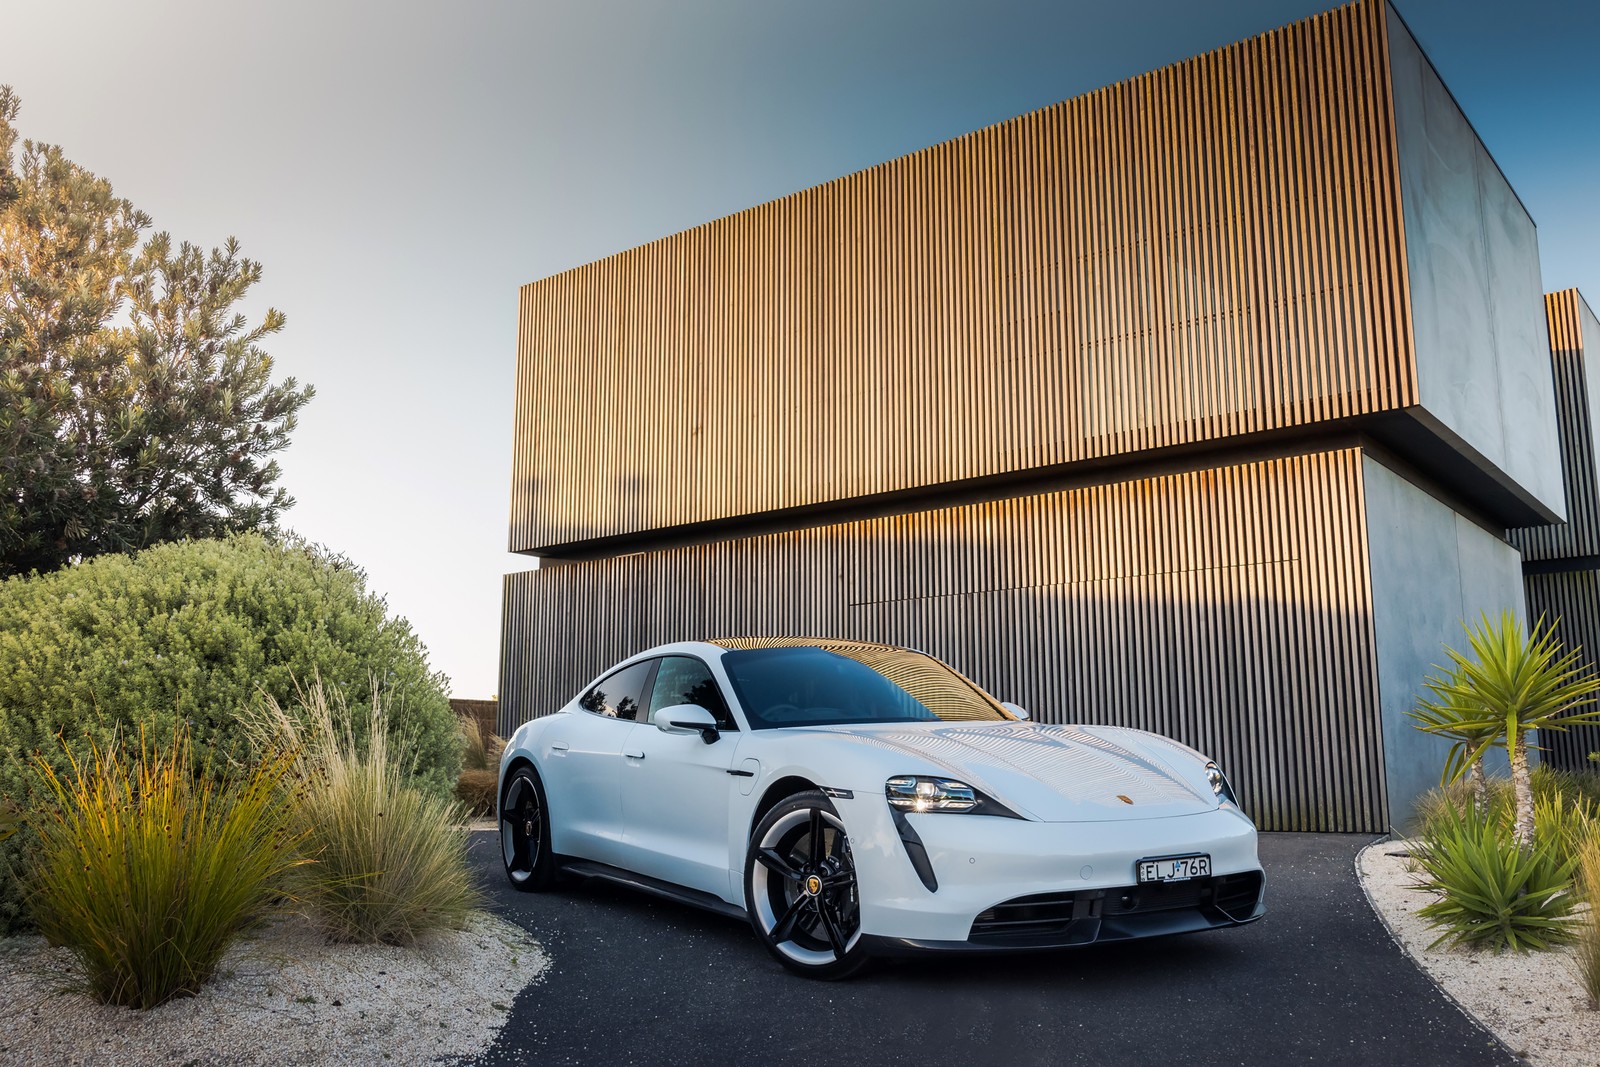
(634, 980)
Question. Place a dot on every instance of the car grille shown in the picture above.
(1084, 915)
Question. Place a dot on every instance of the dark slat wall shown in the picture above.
(1566, 586)
(1580, 535)
(1207, 251)
(1228, 608)
(1572, 600)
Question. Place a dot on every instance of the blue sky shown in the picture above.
(401, 168)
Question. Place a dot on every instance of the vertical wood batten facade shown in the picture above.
(1565, 314)
(1563, 579)
(1209, 251)
(1228, 608)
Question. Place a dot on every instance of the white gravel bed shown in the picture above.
(284, 995)
(1531, 1001)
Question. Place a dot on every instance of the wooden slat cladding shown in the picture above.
(1229, 608)
(1565, 586)
(1580, 534)
(1209, 251)
(1572, 601)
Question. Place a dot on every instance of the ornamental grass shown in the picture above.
(1587, 956)
(480, 767)
(147, 870)
(387, 862)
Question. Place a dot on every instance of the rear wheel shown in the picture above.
(800, 889)
(525, 832)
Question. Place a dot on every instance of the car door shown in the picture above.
(582, 765)
(676, 787)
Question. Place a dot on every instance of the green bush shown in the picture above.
(387, 862)
(146, 872)
(1494, 894)
(1564, 802)
(196, 633)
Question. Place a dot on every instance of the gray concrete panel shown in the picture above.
(1431, 569)
(1472, 260)
(1522, 353)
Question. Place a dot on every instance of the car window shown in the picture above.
(620, 694)
(685, 680)
(815, 686)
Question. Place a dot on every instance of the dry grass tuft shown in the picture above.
(147, 871)
(389, 862)
(1587, 957)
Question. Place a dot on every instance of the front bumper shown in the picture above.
(1012, 884)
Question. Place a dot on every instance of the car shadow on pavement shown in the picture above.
(634, 979)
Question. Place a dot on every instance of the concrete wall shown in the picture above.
(1431, 569)
(1472, 254)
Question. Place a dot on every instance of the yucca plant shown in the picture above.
(1492, 891)
(1587, 957)
(1513, 682)
(147, 871)
(388, 861)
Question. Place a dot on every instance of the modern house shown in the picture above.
(1201, 403)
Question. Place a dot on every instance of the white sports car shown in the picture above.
(856, 800)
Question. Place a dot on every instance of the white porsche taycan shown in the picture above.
(857, 800)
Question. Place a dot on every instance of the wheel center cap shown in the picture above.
(813, 885)
(527, 828)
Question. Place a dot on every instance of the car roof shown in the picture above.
(731, 644)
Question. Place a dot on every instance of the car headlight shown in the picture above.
(916, 792)
(1219, 783)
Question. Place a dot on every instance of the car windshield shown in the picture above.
(811, 685)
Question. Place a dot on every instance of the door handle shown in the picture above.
(559, 746)
(632, 754)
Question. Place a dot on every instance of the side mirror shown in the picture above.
(687, 719)
(1016, 709)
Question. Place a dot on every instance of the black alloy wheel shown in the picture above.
(525, 831)
(800, 889)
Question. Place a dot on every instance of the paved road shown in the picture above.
(640, 981)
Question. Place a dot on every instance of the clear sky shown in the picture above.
(400, 168)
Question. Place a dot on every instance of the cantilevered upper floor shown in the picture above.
(1291, 236)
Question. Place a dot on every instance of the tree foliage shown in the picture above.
(136, 404)
(200, 633)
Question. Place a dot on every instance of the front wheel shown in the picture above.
(525, 832)
(800, 888)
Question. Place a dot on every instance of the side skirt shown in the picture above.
(654, 886)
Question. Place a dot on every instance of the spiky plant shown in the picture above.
(1492, 892)
(1511, 683)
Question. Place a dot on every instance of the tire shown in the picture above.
(525, 832)
(804, 907)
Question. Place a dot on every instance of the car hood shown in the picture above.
(1050, 773)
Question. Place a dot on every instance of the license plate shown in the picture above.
(1174, 869)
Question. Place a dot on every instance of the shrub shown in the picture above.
(480, 768)
(478, 790)
(1588, 954)
(195, 632)
(1565, 804)
(147, 872)
(388, 862)
(1493, 893)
